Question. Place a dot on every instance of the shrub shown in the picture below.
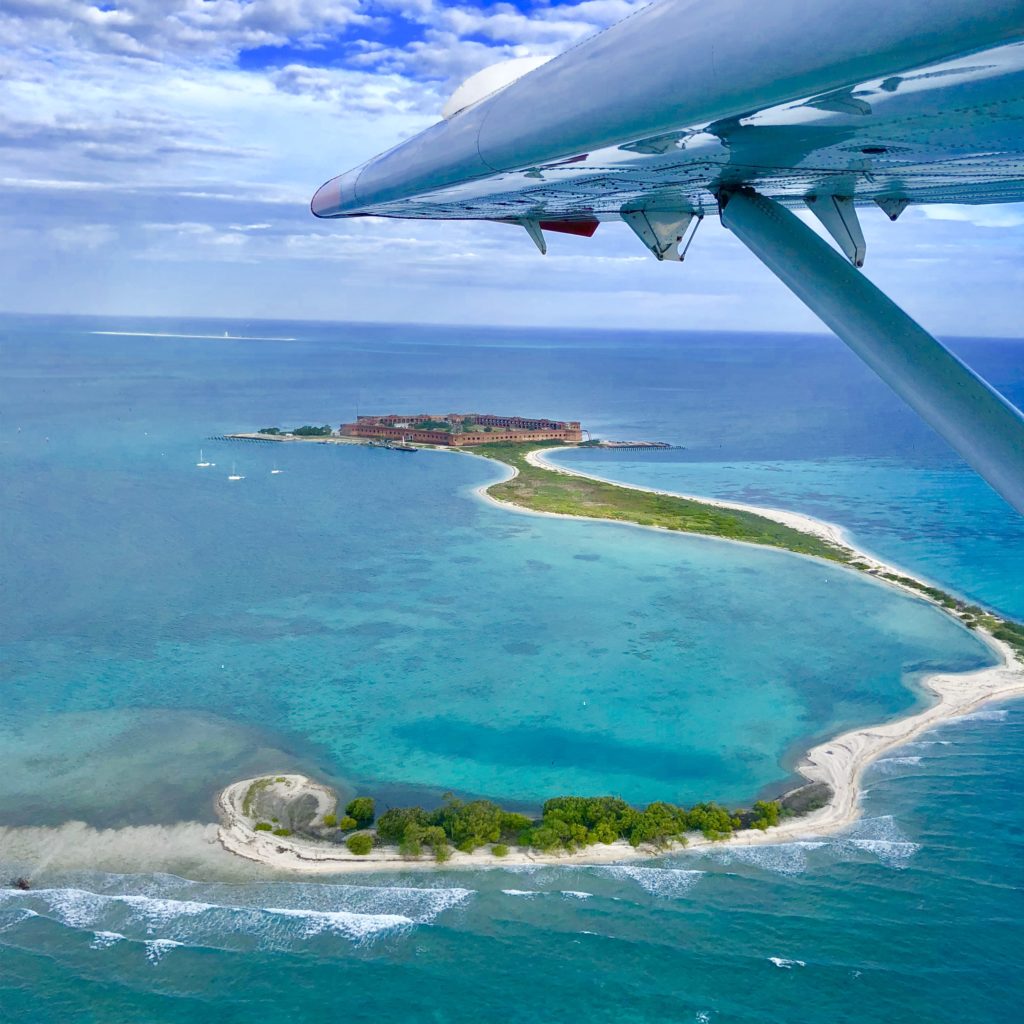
(392, 824)
(711, 819)
(330, 820)
(282, 831)
(499, 850)
(362, 808)
(360, 844)
(262, 826)
(766, 814)
(434, 836)
(346, 824)
(410, 846)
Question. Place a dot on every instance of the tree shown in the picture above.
(360, 844)
(363, 809)
(712, 819)
(392, 824)
(766, 814)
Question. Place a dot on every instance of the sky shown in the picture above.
(157, 157)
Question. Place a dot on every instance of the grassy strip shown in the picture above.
(544, 490)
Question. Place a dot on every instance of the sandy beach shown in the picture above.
(839, 762)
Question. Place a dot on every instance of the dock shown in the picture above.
(638, 446)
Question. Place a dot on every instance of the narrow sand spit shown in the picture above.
(839, 762)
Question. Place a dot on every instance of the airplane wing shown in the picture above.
(749, 110)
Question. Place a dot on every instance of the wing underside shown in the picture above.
(947, 133)
(666, 118)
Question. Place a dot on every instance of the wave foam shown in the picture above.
(786, 964)
(157, 949)
(781, 858)
(883, 838)
(573, 894)
(522, 892)
(671, 883)
(363, 913)
(986, 715)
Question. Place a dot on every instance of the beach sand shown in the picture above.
(839, 762)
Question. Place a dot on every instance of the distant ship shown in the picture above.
(234, 474)
(202, 463)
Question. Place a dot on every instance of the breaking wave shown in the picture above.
(786, 964)
(671, 883)
(782, 859)
(883, 838)
(985, 715)
(163, 922)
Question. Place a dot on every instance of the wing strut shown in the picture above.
(974, 418)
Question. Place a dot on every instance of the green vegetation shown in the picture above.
(465, 825)
(346, 824)
(252, 792)
(330, 820)
(547, 491)
(433, 425)
(566, 823)
(1011, 633)
(262, 826)
(269, 430)
(282, 831)
(362, 808)
(946, 600)
(360, 844)
(767, 814)
(308, 431)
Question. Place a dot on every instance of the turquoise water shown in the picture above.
(936, 518)
(363, 617)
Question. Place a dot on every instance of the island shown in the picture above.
(291, 822)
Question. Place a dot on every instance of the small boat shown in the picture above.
(275, 470)
(235, 475)
(202, 463)
(403, 446)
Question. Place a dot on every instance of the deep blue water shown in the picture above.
(362, 617)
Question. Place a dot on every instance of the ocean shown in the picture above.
(362, 617)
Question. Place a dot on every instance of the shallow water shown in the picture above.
(912, 914)
(362, 617)
(935, 518)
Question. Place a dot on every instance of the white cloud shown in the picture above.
(994, 216)
(82, 237)
(132, 135)
(187, 29)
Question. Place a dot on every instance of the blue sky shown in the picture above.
(158, 156)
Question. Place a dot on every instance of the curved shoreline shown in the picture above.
(839, 762)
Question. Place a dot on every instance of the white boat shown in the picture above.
(202, 463)
(234, 474)
(275, 470)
